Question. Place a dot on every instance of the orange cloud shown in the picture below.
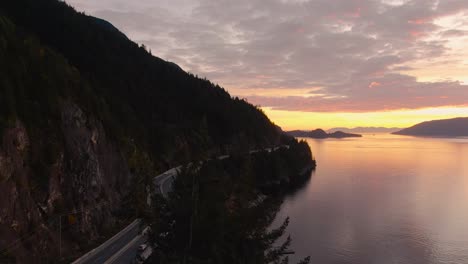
(417, 34)
(374, 84)
(418, 21)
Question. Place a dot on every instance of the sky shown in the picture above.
(313, 63)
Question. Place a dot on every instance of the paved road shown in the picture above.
(112, 246)
(128, 252)
(123, 247)
(163, 182)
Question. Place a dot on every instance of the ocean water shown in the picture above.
(382, 199)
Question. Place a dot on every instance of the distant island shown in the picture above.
(320, 133)
(365, 129)
(456, 127)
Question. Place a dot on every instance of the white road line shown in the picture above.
(95, 251)
(121, 251)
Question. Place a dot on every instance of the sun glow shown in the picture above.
(289, 120)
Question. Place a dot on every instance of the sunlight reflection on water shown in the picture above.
(383, 199)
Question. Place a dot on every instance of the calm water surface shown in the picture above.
(383, 199)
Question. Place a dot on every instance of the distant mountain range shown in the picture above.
(365, 129)
(456, 127)
(320, 133)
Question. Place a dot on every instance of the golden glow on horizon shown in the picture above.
(451, 65)
(289, 120)
(274, 92)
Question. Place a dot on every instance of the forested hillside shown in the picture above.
(60, 172)
(139, 94)
(226, 208)
(87, 118)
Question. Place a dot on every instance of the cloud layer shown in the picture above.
(342, 55)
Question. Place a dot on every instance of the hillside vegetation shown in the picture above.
(87, 118)
(172, 113)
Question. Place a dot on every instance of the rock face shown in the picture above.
(456, 127)
(65, 77)
(83, 181)
(320, 133)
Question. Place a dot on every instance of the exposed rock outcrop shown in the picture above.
(83, 181)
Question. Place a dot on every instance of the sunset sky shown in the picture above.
(316, 63)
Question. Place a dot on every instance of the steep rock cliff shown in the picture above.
(86, 181)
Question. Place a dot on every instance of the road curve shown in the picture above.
(123, 247)
(109, 248)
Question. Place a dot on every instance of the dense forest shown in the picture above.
(88, 117)
(221, 211)
(138, 95)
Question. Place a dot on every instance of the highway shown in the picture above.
(122, 248)
(128, 252)
(163, 182)
(112, 246)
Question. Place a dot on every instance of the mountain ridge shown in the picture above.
(321, 134)
(364, 129)
(87, 117)
(454, 127)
